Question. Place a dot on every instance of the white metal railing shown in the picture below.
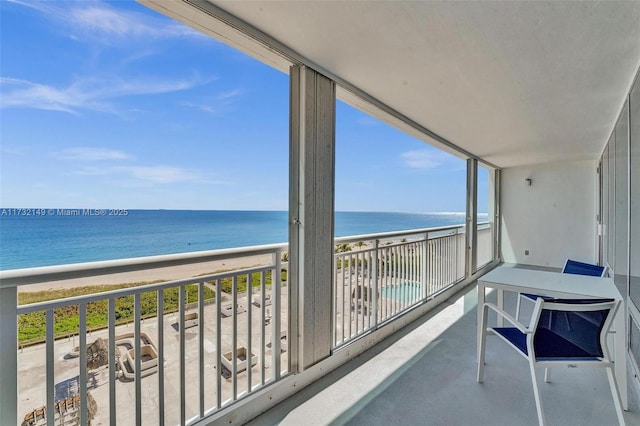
(387, 274)
(485, 244)
(378, 277)
(223, 339)
(205, 356)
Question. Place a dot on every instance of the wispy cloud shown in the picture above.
(204, 107)
(427, 159)
(230, 94)
(95, 161)
(85, 94)
(20, 150)
(91, 154)
(220, 103)
(97, 21)
(160, 174)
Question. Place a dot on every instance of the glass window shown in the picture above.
(486, 225)
(389, 181)
(621, 260)
(634, 341)
(380, 169)
(605, 205)
(161, 128)
(127, 134)
(634, 230)
(611, 201)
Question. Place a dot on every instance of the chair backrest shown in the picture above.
(581, 268)
(581, 334)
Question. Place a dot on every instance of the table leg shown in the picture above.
(500, 319)
(481, 300)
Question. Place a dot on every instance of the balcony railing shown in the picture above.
(389, 274)
(485, 244)
(213, 344)
(204, 342)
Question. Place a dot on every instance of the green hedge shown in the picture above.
(32, 326)
(227, 283)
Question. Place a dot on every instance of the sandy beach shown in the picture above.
(167, 273)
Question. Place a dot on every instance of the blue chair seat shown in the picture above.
(549, 345)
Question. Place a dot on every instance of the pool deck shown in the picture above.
(32, 369)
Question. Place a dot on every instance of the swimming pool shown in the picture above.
(405, 292)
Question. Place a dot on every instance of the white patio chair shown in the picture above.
(549, 344)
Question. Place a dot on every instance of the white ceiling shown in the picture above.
(513, 83)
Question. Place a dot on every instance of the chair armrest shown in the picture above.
(508, 317)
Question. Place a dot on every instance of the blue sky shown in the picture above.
(111, 105)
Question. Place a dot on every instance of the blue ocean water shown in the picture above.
(53, 238)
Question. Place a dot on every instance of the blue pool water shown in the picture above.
(405, 292)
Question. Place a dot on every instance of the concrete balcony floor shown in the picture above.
(425, 374)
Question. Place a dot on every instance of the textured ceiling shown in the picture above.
(513, 83)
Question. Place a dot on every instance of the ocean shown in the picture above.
(43, 237)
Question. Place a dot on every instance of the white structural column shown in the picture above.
(8, 355)
(311, 189)
(471, 230)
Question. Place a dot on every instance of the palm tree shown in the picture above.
(341, 248)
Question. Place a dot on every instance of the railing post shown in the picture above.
(471, 231)
(182, 351)
(276, 288)
(425, 265)
(50, 380)
(9, 355)
(375, 284)
(496, 224)
(82, 379)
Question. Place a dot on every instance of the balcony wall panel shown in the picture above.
(554, 218)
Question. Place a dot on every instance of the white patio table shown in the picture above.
(555, 284)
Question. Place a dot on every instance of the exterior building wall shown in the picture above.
(554, 218)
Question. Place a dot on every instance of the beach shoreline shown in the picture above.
(149, 275)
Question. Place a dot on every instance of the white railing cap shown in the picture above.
(15, 277)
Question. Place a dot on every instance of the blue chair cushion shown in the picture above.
(580, 268)
(548, 345)
(572, 267)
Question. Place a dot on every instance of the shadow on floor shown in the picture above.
(436, 383)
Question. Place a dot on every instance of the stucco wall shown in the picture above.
(554, 218)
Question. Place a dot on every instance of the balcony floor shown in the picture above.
(425, 374)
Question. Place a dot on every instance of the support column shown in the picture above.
(471, 230)
(311, 210)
